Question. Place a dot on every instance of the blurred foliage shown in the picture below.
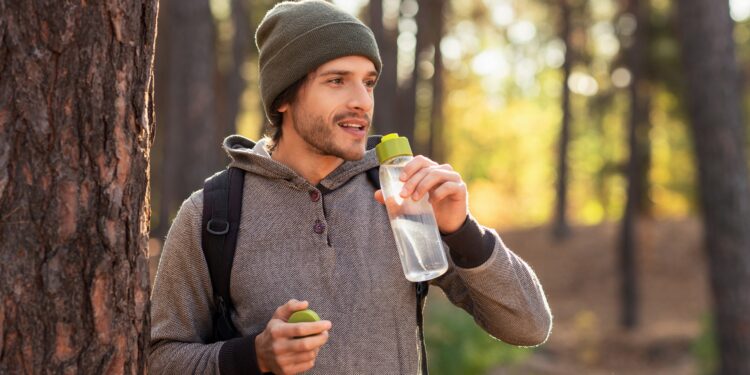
(503, 121)
(455, 345)
(705, 348)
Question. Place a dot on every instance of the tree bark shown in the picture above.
(560, 226)
(191, 141)
(713, 96)
(76, 126)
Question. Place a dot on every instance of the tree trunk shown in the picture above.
(232, 82)
(561, 228)
(76, 126)
(638, 119)
(644, 205)
(161, 219)
(191, 142)
(242, 43)
(407, 97)
(715, 114)
(436, 145)
(640, 98)
(385, 120)
(257, 10)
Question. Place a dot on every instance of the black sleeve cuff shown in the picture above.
(237, 356)
(471, 245)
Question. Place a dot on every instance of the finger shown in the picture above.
(284, 311)
(291, 330)
(293, 358)
(415, 165)
(309, 343)
(413, 181)
(434, 179)
(291, 348)
(450, 189)
(396, 208)
(379, 196)
(416, 179)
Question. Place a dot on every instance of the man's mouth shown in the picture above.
(351, 126)
(354, 126)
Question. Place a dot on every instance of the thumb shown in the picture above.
(379, 196)
(285, 311)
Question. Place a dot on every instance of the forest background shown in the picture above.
(606, 141)
(558, 114)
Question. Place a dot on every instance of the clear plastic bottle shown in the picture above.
(413, 222)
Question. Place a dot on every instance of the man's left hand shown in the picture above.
(448, 194)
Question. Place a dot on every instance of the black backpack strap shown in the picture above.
(421, 287)
(373, 173)
(222, 204)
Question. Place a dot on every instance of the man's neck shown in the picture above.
(297, 155)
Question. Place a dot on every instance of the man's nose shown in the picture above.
(361, 98)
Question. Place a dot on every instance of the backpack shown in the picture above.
(222, 203)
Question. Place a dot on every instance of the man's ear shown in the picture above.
(283, 108)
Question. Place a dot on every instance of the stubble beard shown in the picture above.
(319, 135)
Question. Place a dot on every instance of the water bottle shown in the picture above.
(413, 222)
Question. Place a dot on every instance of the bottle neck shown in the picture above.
(397, 160)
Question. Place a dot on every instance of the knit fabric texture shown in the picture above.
(294, 38)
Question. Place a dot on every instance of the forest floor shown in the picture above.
(581, 279)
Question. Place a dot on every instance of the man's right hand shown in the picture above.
(277, 348)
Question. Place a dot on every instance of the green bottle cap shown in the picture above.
(391, 145)
(303, 316)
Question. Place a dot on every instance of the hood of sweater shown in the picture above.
(254, 158)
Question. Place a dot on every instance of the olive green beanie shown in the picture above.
(296, 37)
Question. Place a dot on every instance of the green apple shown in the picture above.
(303, 316)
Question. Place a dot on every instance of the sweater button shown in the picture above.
(319, 227)
(314, 195)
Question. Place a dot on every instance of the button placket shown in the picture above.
(319, 226)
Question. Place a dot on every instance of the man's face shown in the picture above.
(333, 109)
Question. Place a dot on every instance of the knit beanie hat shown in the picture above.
(296, 37)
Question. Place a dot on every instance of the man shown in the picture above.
(314, 232)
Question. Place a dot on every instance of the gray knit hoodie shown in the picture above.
(332, 245)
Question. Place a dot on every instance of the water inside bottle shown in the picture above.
(420, 247)
(414, 228)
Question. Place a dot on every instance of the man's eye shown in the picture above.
(371, 83)
(337, 81)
